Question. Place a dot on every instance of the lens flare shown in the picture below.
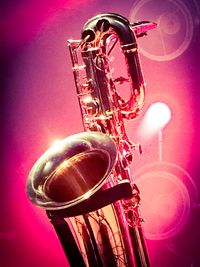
(155, 119)
(158, 115)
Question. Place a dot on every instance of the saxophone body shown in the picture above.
(85, 183)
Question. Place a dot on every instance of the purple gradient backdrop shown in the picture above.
(39, 104)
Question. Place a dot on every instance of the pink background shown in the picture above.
(39, 104)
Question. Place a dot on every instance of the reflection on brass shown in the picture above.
(76, 176)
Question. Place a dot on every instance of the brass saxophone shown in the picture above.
(84, 182)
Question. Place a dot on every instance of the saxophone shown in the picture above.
(84, 182)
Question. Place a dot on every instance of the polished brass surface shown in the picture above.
(76, 176)
(71, 171)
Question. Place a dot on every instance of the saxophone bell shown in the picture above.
(72, 170)
(67, 176)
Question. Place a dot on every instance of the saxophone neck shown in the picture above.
(96, 33)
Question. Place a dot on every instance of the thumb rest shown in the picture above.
(86, 178)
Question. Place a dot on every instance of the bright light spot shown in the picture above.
(56, 146)
(158, 115)
(156, 118)
(87, 99)
(87, 195)
(56, 142)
